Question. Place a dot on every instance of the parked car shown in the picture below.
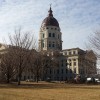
(97, 80)
(92, 80)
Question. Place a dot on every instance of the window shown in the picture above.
(50, 71)
(49, 44)
(43, 44)
(49, 34)
(51, 28)
(47, 28)
(55, 28)
(74, 59)
(65, 53)
(62, 63)
(31, 77)
(62, 71)
(43, 35)
(46, 71)
(28, 77)
(66, 70)
(54, 71)
(57, 71)
(74, 70)
(66, 64)
(74, 52)
(70, 64)
(53, 45)
(74, 63)
(53, 34)
(69, 53)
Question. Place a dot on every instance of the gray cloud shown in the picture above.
(77, 18)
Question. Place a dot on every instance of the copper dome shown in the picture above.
(50, 20)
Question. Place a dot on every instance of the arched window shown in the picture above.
(53, 34)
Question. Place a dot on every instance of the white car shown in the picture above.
(97, 80)
(89, 79)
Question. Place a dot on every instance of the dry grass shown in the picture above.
(49, 91)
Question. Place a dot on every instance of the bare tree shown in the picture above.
(37, 63)
(21, 43)
(7, 66)
(42, 62)
(94, 43)
(89, 62)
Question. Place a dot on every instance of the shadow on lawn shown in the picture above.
(48, 86)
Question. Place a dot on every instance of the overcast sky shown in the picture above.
(77, 18)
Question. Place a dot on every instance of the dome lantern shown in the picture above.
(50, 12)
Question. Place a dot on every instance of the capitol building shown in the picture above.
(72, 61)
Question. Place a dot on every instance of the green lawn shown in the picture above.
(49, 91)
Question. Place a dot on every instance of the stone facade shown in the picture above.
(50, 38)
(73, 62)
(81, 62)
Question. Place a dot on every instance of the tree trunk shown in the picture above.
(8, 77)
(19, 73)
(37, 79)
(19, 79)
(37, 76)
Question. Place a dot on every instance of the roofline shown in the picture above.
(72, 49)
